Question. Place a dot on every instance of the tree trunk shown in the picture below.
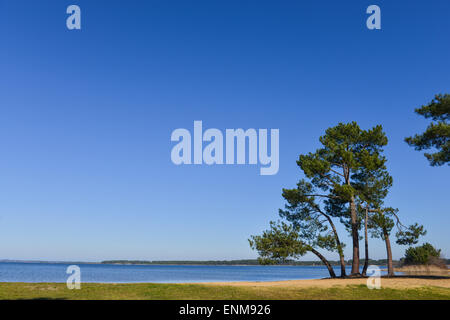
(366, 244)
(355, 237)
(339, 246)
(342, 260)
(354, 223)
(389, 253)
(325, 262)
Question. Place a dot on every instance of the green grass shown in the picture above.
(94, 291)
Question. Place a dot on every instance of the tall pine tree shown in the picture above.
(333, 171)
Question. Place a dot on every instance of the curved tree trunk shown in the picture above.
(389, 253)
(341, 258)
(355, 237)
(325, 262)
(366, 244)
(338, 244)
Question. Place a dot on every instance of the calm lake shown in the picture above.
(56, 272)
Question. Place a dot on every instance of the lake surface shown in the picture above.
(56, 272)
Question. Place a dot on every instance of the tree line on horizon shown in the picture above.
(346, 180)
(287, 262)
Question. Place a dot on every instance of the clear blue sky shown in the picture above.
(86, 118)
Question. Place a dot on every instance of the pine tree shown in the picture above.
(333, 171)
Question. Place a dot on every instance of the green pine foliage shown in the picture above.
(437, 135)
(422, 255)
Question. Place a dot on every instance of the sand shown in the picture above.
(396, 282)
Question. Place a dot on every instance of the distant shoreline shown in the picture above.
(161, 264)
(241, 262)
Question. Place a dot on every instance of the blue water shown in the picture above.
(56, 272)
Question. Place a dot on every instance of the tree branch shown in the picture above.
(337, 172)
(321, 195)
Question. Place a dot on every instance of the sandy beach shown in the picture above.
(395, 283)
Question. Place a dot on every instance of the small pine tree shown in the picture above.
(422, 255)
